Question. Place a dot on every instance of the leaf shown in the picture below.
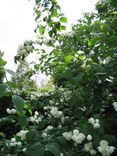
(79, 77)
(35, 150)
(37, 1)
(3, 90)
(41, 30)
(31, 136)
(114, 3)
(68, 58)
(54, 13)
(28, 108)
(56, 52)
(2, 153)
(62, 27)
(53, 149)
(63, 19)
(3, 135)
(2, 62)
(57, 25)
(23, 121)
(62, 141)
(18, 102)
(38, 13)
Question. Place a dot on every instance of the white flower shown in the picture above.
(75, 132)
(24, 149)
(36, 113)
(19, 143)
(96, 125)
(11, 111)
(44, 135)
(13, 139)
(67, 135)
(103, 143)
(12, 144)
(97, 120)
(112, 149)
(63, 119)
(80, 138)
(105, 149)
(46, 107)
(59, 126)
(61, 154)
(35, 116)
(32, 119)
(55, 113)
(39, 119)
(93, 152)
(115, 105)
(88, 146)
(89, 137)
(22, 134)
(50, 127)
(91, 120)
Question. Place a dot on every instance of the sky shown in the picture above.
(17, 22)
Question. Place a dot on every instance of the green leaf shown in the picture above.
(18, 102)
(57, 25)
(63, 19)
(3, 135)
(23, 120)
(114, 3)
(38, 13)
(37, 1)
(53, 149)
(2, 153)
(62, 141)
(56, 52)
(28, 108)
(31, 136)
(62, 27)
(68, 58)
(35, 150)
(41, 30)
(3, 90)
(54, 13)
(2, 62)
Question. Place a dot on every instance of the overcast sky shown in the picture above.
(17, 22)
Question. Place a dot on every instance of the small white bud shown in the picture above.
(89, 137)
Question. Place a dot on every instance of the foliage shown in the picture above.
(77, 114)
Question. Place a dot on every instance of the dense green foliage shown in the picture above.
(77, 114)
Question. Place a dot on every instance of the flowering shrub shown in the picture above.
(78, 115)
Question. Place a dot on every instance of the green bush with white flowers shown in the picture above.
(75, 113)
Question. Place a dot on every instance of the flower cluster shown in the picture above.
(76, 136)
(35, 118)
(49, 128)
(11, 111)
(95, 122)
(22, 134)
(55, 112)
(115, 105)
(14, 143)
(88, 147)
(25, 48)
(105, 149)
